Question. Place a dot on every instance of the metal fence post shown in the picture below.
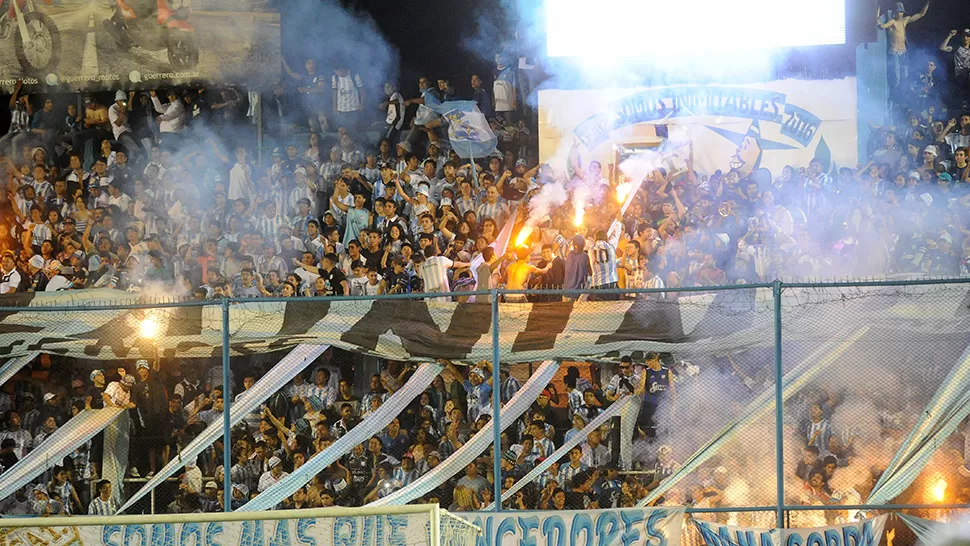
(496, 409)
(227, 402)
(779, 410)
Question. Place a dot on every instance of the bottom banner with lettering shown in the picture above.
(373, 530)
(613, 527)
(860, 533)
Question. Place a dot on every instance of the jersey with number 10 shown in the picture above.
(602, 256)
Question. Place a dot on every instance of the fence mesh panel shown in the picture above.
(860, 365)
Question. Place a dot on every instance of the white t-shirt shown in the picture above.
(114, 112)
(434, 271)
(58, 282)
(346, 90)
(504, 95)
(267, 480)
(9, 280)
(122, 201)
(239, 187)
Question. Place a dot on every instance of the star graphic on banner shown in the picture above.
(750, 146)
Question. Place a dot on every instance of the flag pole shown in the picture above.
(471, 160)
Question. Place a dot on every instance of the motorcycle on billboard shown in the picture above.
(37, 40)
(156, 25)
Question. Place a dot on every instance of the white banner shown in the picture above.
(114, 461)
(14, 365)
(478, 443)
(740, 127)
(377, 530)
(861, 533)
(279, 375)
(565, 448)
(371, 425)
(615, 527)
(79, 429)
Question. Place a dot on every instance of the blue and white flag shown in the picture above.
(468, 129)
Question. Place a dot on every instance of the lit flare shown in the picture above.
(939, 489)
(148, 328)
(523, 237)
(623, 191)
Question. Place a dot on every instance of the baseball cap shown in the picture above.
(545, 393)
(37, 261)
(188, 464)
(509, 455)
(49, 396)
(931, 149)
(120, 95)
(94, 373)
(520, 162)
(141, 364)
(211, 485)
(478, 371)
(128, 381)
(914, 174)
(274, 461)
(242, 488)
(445, 202)
(945, 176)
(423, 191)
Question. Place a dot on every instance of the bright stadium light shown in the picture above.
(633, 28)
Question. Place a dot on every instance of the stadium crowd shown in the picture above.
(163, 196)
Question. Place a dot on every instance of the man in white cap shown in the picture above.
(118, 393)
(120, 128)
(273, 475)
(152, 402)
(38, 280)
(210, 497)
(58, 277)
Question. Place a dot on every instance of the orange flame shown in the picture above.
(578, 216)
(623, 191)
(523, 238)
(939, 489)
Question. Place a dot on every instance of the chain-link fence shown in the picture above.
(608, 399)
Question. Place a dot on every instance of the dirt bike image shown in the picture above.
(37, 41)
(156, 25)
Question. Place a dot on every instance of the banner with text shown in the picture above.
(626, 527)
(861, 533)
(140, 43)
(741, 128)
(378, 530)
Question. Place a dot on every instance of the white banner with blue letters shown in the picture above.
(858, 533)
(375, 530)
(613, 527)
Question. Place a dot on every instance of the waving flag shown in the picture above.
(468, 129)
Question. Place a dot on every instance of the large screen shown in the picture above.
(631, 28)
(139, 43)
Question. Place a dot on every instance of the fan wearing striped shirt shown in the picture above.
(602, 257)
(104, 504)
